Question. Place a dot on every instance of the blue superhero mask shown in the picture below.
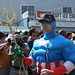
(50, 23)
(49, 35)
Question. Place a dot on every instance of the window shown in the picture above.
(30, 9)
(67, 10)
(27, 8)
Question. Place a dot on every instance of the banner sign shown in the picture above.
(23, 16)
(59, 16)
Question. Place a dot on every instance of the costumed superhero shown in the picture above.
(53, 52)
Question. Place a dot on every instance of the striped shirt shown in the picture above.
(49, 66)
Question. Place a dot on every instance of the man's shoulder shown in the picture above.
(60, 37)
(29, 39)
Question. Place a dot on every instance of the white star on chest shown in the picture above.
(43, 43)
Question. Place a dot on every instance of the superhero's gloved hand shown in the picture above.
(28, 61)
(57, 71)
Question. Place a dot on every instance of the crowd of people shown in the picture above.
(43, 53)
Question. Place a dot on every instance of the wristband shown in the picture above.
(28, 61)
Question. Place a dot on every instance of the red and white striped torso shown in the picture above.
(49, 66)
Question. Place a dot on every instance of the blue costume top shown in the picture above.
(60, 48)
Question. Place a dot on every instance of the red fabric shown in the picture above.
(57, 64)
(39, 69)
(59, 70)
(48, 66)
(28, 61)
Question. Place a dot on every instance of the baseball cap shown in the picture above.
(47, 17)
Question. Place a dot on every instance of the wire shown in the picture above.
(51, 3)
(51, 9)
(54, 3)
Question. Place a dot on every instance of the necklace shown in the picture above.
(46, 56)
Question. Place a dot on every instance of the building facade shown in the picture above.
(64, 11)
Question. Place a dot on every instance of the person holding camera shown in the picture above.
(17, 68)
